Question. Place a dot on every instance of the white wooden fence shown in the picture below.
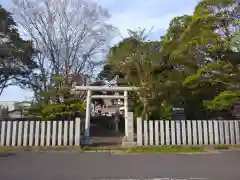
(188, 132)
(40, 133)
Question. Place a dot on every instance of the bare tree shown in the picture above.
(69, 35)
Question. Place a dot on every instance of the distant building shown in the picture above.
(8, 104)
(13, 109)
(22, 104)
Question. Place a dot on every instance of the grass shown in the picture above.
(225, 146)
(138, 149)
(153, 149)
(166, 149)
(221, 146)
(5, 149)
(85, 148)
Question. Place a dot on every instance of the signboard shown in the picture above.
(178, 114)
(236, 110)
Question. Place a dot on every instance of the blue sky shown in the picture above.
(126, 14)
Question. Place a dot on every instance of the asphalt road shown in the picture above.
(86, 166)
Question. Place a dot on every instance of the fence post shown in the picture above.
(189, 132)
(151, 133)
(48, 138)
(205, 132)
(19, 136)
(162, 132)
(54, 133)
(216, 132)
(200, 132)
(2, 140)
(237, 130)
(156, 128)
(77, 131)
(14, 133)
(37, 130)
(65, 132)
(139, 132)
(210, 130)
(31, 135)
(194, 132)
(227, 132)
(232, 135)
(8, 136)
(173, 132)
(178, 132)
(167, 132)
(71, 132)
(145, 132)
(25, 133)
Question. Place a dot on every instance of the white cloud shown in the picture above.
(146, 14)
(133, 21)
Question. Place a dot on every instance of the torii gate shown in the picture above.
(89, 89)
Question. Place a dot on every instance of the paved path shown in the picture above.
(86, 166)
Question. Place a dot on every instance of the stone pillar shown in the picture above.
(128, 141)
(130, 128)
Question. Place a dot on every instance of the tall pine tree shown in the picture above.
(16, 54)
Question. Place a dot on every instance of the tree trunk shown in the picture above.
(144, 113)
